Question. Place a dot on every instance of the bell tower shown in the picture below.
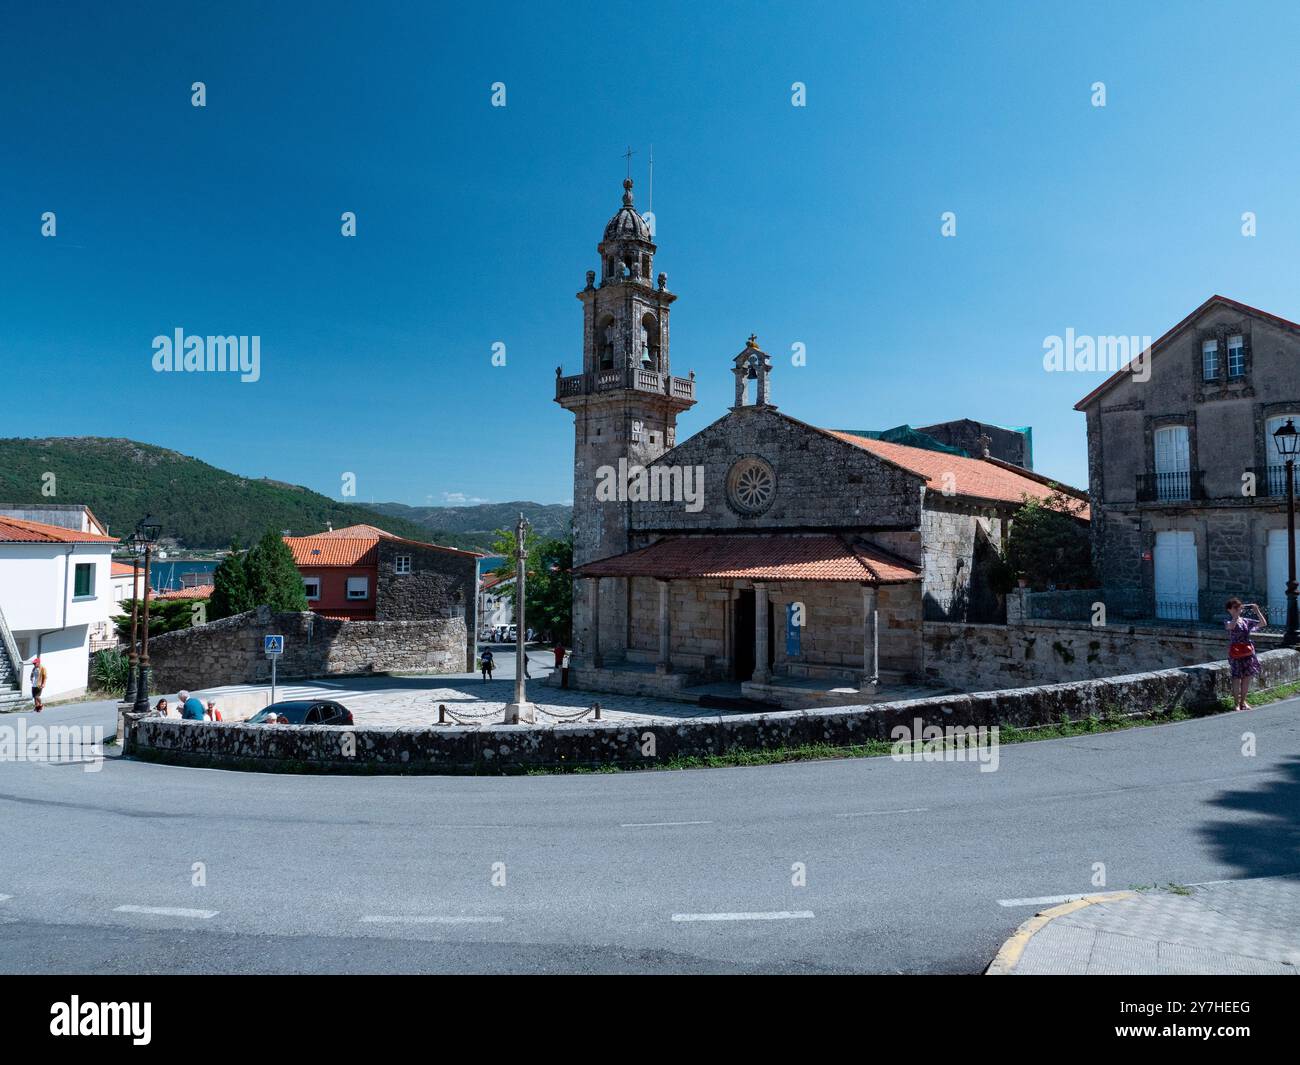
(625, 401)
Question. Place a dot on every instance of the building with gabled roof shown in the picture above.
(364, 573)
(1186, 483)
(56, 594)
(764, 550)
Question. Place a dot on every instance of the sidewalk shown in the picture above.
(1229, 927)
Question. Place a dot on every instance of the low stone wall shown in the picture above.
(1038, 652)
(519, 748)
(229, 651)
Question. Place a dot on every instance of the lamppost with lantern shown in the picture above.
(145, 536)
(133, 659)
(1287, 439)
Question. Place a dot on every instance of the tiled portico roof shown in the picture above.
(759, 558)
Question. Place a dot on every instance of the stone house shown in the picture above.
(1186, 486)
(363, 573)
(763, 551)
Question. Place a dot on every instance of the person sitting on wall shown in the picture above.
(212, 713)
(191, 708)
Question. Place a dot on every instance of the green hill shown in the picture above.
(199, 506)
(549, 520)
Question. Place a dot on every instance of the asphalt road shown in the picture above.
(908, 865)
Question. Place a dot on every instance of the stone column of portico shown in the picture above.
(870, 638)
(761, 673)
(665, 664)
(593, 617)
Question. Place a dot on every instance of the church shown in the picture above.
(787, 563)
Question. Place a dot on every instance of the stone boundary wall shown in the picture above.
(519, 748)
(229, 651)
(1038, 652)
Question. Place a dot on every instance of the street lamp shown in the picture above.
(1287, 440)
(144, 537)
(521, 711)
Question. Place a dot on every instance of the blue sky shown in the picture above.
(817, 225)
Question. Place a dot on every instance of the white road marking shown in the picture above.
(168, 911)
(5, 898)
(662, 824)
(383, 918)
(774, 915)
(1048, 900)
(882, 813)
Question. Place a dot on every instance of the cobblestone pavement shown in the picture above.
(1238, 926)
(413, 701)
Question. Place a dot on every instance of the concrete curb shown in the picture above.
(1006, 960)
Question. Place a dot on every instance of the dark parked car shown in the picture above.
(305, 712)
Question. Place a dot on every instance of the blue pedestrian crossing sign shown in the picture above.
(273, 645)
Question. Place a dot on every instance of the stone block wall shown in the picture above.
(229, 651)
(960, 546)
(977, 657)
(519, 748)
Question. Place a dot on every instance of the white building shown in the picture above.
(56, 587)
(495, 608)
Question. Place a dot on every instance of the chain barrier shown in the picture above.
(567, 717)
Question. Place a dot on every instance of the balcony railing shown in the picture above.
(1177, 607)
(1170, 486)
(638, 379)
(1270, 481)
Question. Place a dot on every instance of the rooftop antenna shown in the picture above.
(650, 200)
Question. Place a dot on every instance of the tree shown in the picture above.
(230, 591)
(165, 615)
(273, 579)
(548, 604)
(1049, 544)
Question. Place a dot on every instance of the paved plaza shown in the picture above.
(403, 702)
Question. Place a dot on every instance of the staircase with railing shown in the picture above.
(11, 668)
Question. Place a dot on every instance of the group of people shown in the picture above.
(190, 708)
(487, 661)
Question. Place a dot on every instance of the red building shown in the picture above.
(363, 573)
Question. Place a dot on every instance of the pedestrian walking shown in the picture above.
(1243, 663)
(190, 707)
(486, 663)
(39, 677)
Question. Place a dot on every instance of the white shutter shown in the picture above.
(1172, 451)
(1276, 559)
(1176, 576)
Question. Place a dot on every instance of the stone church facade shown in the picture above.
(764, 550)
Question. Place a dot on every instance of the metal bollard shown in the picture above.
(442, 713)
(596, 707)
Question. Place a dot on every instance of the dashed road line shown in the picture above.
(661, 824)
(774, 915)
(384, 918)
(168, 911)
(883, 813)
(5, 898)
